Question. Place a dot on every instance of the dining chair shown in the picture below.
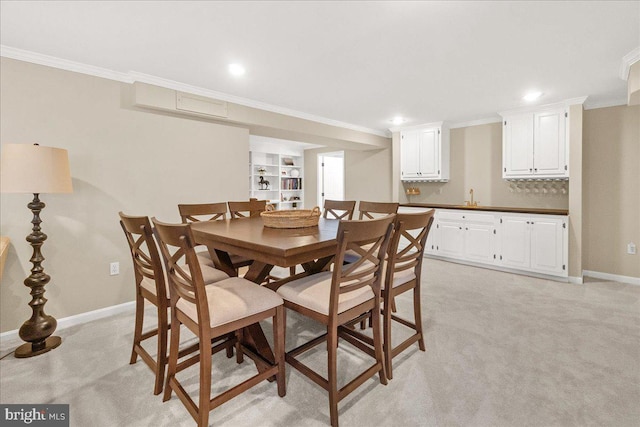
(210, 312)
(210, 212)
(368, 210)
(335, 298)
(403, 272)
(152, 286)
(339, 209)
(371, 210)
(245, 209)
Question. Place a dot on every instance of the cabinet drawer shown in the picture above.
(450, 215)
(480, 218)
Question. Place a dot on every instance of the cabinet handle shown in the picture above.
(460, 228)
(530, 170)
(467, 228)
(532, 223)
(536, 169)
(527, 222)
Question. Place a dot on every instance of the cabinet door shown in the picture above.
(409, 155)
(518, 145)
(515, 238)
(432, 239)
(430, 153)
(450, 238)
(549, 143)
(478, 242)
(547, 240)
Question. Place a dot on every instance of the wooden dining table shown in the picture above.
(311, 247)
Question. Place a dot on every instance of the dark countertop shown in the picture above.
(489, 208)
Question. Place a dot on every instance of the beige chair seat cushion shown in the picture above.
(204, 258)
(209, 275)
(400, 278)
(313, 292)
(232, 299)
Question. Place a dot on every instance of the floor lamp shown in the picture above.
(35, 169)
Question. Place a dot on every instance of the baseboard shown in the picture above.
(613, 277)
(501, 268)
(576, 280)
(67, 322)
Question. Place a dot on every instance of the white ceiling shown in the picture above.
(359, 63)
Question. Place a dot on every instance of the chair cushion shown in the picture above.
(399, 278)
(313, 292)
(232, 299)
(209, 275)
(204, 258)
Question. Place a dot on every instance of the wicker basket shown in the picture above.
(297, 218)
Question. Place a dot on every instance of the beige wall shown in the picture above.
(367, 175)
(611, 201)
(141, 163)
(128, 158)
(476, 162)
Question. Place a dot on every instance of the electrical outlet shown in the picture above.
(631, 248)
(114, 268)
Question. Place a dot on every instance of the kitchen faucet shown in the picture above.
(471, 203)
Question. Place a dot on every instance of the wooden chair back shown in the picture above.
(196, 212)
(246, 209)
(176, 243)
(144, 252)
(369, 239)
(406, 248)
(368, 210)
(339, 209)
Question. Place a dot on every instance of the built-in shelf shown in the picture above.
(271, 167)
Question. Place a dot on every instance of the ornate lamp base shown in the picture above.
(38, 329)
(27, 350)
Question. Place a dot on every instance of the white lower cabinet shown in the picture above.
(515, 239)
(548, 246)
(463, 235)
(451, 237)
(533, 243)
(479, 238)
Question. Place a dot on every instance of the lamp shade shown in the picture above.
(27, 168)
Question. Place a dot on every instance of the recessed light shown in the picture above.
(236, 69)
(532, 96)
(398, 120)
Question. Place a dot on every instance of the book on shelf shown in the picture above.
(291, 184)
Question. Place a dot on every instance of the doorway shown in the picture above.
(330, 176)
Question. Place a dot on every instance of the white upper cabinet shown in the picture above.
(550, 148)
(535, 144)
(424, 153)
(518, 145)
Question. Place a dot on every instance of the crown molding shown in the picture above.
(417, 127)
(478, 122)
(63, 64)
(627, 61)
(133, 76)
(534, 108)
(605, 104)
